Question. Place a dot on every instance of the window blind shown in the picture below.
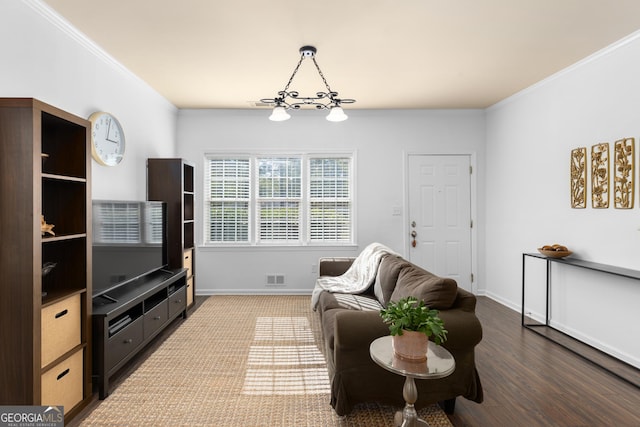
(228, 198)
(279, 190)
(330, 199)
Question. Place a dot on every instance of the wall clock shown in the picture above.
(107, 139)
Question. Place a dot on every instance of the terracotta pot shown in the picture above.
(411, 345)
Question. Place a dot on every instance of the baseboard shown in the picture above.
(510, 304)
(209, 292)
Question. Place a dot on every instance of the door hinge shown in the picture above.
(470, 169)
(471, 223)
(471, 277)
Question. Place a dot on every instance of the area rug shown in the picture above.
(239, 361)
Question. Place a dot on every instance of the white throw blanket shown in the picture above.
(357, 278)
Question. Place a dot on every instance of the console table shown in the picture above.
(131, 316)
(626, 372)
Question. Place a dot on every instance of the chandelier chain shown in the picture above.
(295, 72)
(321, 75)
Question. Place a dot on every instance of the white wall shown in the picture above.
(529, 140)
(381, 141)
(43, 58)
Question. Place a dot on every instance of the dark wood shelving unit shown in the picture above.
(45, 321)
(172, 181)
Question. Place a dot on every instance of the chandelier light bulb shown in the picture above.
(279, 114)
(336, 114)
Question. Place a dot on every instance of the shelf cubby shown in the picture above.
(60, 141)
(70, 260)
(64, 205)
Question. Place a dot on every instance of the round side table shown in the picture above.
(440, 363)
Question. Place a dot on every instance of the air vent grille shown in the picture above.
(260, 104)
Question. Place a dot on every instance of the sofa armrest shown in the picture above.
(465, 300)
(334, 266)
(355, 329)
(463, 327)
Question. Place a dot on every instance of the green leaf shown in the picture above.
(413, 315)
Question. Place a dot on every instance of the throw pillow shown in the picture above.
(437, 292)
(387, 276)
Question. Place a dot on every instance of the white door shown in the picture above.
(440, 215)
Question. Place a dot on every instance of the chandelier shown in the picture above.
(322, 101)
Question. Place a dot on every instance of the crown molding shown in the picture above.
(79, 37)
(589, 59)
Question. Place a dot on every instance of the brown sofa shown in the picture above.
(351, 322)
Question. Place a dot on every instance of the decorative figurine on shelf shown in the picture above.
(46, 228)
(46, 269)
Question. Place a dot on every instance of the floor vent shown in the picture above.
(275, 279)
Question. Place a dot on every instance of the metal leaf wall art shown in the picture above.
(600, 175)
(579, 178)
(624, 174)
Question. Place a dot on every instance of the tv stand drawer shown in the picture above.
(124, 342)
(177, 301)
(155, 318)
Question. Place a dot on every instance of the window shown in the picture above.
(228, 193)
(279, 199)
(330, 200)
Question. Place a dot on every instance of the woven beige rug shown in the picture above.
(239, 361)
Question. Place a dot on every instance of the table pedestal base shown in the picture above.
(408, 417)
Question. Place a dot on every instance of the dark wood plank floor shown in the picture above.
(531, 381)
(528, 381)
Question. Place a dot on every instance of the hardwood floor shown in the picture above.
(531, 381)
(528, 381)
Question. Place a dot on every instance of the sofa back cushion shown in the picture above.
(437, 292)
(388, 272)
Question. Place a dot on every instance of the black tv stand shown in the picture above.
(136, 313)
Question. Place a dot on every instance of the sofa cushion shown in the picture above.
(437, 292)
(387, 276)
(357, 302)
(330, 300)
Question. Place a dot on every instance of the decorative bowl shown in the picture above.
(554, 254)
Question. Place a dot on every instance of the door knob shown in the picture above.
(414, 234)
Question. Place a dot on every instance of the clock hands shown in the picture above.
(115, 133)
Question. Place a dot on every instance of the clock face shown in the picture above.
(107, 139)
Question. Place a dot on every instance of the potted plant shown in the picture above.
(411, 323)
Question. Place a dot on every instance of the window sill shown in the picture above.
(280, 248)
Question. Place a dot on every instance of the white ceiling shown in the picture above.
(383, 53)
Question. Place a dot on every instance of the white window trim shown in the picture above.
(304, 226)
